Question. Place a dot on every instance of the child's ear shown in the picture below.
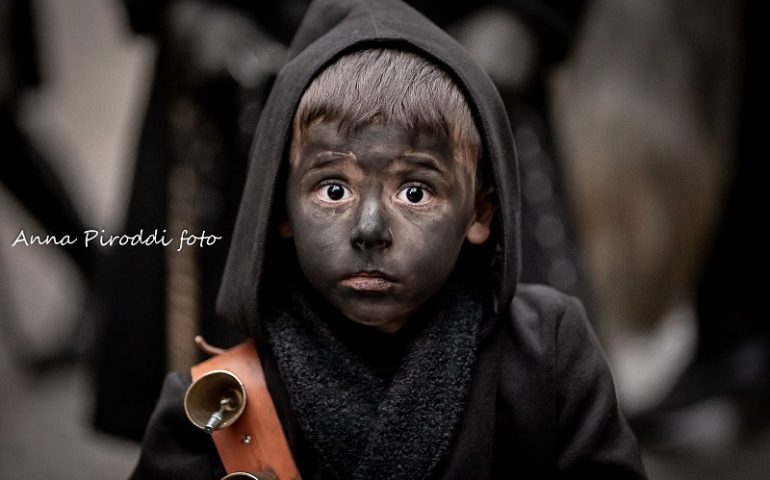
(284, 230)
(479, 229)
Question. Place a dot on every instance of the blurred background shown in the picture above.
(635, 122)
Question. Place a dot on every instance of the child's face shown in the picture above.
(378, 217)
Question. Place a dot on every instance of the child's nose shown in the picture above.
(371, 230)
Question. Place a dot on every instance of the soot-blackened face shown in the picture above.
(378, 217)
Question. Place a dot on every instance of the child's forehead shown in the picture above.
(398, 148)
(329, 134)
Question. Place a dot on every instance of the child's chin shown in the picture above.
(383, 323)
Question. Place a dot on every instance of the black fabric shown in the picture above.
(540, 400)
(365, 420)
(541, 405)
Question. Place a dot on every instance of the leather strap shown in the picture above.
(255, 442)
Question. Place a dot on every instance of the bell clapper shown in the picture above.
(228, 403)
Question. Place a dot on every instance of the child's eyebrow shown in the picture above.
(419, 159)
(328, 157)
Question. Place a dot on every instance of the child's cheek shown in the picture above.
(428, 217)
(327, 214)
(325, 225)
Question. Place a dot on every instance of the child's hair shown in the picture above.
(383, 85)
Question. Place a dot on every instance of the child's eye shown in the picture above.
(333, 192)
(414, 195)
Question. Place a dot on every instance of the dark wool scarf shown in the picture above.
(366, 421)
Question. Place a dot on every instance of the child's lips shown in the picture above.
(368, 282)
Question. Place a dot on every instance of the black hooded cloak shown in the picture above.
(539, 402)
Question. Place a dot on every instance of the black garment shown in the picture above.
(365, 421)
(540, 401)
(541, 405)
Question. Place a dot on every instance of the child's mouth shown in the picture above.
(368, 282)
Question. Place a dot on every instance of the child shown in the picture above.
(375, 265)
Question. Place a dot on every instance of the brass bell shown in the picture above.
(215, 400)
(250, 476)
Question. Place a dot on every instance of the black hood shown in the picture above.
(330, 29)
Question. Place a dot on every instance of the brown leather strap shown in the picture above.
(255, 442)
